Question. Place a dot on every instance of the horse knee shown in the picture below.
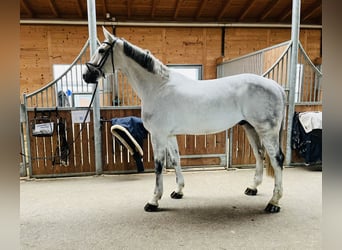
(158, 167)
(280, 158)
(261, 153)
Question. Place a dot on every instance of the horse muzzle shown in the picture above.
(91, 76)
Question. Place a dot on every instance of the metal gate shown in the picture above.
(274, 63)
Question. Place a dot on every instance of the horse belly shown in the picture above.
(204, 121)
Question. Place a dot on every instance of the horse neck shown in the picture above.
(143, 82)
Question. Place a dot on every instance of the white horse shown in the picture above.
(173, 104)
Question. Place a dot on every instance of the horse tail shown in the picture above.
(269, 168)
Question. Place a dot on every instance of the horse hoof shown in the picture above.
(250, 191)
(150, 208)
(270, 208)
(175, 195)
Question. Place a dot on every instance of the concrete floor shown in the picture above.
(106, 212)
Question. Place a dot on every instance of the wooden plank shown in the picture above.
(148, 159)
(77, 152)
(91, 144)
(181, 144)
(108, 140)
(85, 149)
(197, 46)
(207, 162)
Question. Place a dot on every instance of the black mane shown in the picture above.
(142, 58)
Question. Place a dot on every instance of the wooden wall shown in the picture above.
(241, 41)
(41, 46)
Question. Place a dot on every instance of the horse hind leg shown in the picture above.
(272, 145)
(173, 160)
(259, 154)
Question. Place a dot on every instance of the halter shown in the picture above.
(99, 66)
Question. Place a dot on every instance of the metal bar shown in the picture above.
(315, 87)
(307, 58)
(22, 135)
(63, 175)
(202, 156)
(123, 92)
(170, 24)
(258, 52)
(61, 76)
(292, 77)
(115, 89)
(96, 105)
(281, 56)
(28, 142)
(311, 86)
(47, 97)
(309, 103)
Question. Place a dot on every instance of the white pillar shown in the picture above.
(96, 104)
(292, 75)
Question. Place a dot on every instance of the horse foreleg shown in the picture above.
(159, 162)
(173, 160)
(259, 154)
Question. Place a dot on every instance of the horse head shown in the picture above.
(99, 64)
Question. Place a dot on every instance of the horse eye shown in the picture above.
(101, 51)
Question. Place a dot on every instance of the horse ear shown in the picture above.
(107, 34)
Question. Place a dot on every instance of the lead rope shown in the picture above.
(99, 68)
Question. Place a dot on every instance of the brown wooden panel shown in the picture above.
(86, 152)
(304, 108)
(44, 45)
(91, 143)
(207, 161)
(148, 154)
(77, 151)
(121, 160)
(181, 143)
(242, 41)
(210, 144)
(242, 152)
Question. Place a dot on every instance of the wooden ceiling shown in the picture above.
(209, 11)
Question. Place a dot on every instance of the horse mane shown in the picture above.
(146, 60)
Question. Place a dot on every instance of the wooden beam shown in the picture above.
(224, 10)
(269, 8)
(79, 8)
(178, 6)
(129, 8)
(52, 4)
(287, 12)
(27, 8)
(104, 8)
(154, 6)
(247, 8)
(311, 10)
(201, 8)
